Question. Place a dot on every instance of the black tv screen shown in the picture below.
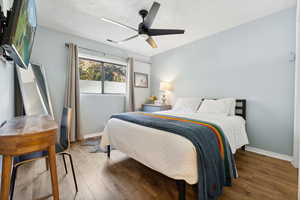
(19, 36)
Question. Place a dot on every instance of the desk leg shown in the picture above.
(6, 175)
(53, 170)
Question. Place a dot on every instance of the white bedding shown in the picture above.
(167, 153)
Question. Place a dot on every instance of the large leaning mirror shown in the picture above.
(34, 90)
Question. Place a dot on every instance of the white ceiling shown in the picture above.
(200, 18)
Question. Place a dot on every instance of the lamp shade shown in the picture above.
(165, 86)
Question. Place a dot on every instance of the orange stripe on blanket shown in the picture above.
(216, 132)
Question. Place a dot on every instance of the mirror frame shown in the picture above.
(38, 87)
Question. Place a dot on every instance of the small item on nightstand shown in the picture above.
(163, 99)
(152, 99)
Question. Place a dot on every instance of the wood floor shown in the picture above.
(261, 178)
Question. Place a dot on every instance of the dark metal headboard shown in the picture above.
(241, 108)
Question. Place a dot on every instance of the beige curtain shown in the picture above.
(72, 98)
(129, 104)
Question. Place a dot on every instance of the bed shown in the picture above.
(161, 151)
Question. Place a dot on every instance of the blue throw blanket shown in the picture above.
(216, 166)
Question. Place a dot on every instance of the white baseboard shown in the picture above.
(270, 154)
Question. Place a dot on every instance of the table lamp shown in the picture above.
(164, 86)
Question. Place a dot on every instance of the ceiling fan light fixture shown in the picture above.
(144, 36)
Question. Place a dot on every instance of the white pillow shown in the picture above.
(187, 104)
(231, 103)
(214, 107)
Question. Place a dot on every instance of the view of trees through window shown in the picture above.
(90, 70)
(115, 73)
(101, 77)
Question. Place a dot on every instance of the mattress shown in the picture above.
(167, 153)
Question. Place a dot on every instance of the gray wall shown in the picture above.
(50, 51)
(7, 94)
(6, 91)
(250, 61)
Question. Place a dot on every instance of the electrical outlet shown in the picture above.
(292, 57)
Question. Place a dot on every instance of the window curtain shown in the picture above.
(72, 97)
(129, 104)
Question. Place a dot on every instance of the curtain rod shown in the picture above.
(105, 54)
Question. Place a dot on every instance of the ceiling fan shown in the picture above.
(144, 29)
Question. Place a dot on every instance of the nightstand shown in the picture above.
(155, 107)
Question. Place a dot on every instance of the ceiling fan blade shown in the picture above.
(119, 24)
(112, 41)
(151, 15)
(151, 42)
(118, 42)
(155, 32)
(130, 38)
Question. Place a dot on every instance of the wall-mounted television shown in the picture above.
(18, 36)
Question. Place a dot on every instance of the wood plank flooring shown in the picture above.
(122, 178)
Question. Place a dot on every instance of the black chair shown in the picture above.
(61, 149)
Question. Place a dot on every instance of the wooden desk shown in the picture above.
(23, 135)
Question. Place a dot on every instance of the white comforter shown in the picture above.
(167, 153)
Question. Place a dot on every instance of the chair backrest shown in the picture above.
(65, 129)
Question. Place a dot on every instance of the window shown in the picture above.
(101, 77)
